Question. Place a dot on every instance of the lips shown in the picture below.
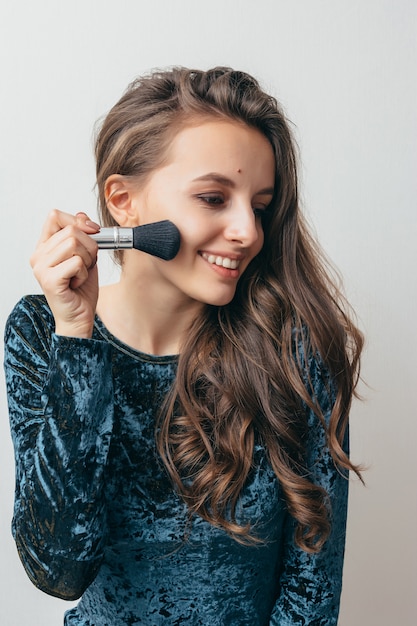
(221, 261)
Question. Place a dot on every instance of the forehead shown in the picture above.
(215, 143)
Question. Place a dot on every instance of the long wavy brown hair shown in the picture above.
(242, 371)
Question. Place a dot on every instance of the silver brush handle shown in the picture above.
(114, 238)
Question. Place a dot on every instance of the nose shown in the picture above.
(243, 226)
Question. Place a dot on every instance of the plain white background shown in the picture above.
(345, 73)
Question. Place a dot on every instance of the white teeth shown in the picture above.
(230, 264)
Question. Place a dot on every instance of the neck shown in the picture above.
(146, 315)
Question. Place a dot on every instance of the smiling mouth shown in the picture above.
(221, 261)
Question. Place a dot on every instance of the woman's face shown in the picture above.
(215, 184)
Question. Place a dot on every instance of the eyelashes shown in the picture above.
(214, 200)
(218, 201)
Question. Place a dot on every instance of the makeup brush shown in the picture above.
(161, 239)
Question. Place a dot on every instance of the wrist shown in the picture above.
(77, 331)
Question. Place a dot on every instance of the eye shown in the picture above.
(211, 199)
(261, 210)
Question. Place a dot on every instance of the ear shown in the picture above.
(119, 193)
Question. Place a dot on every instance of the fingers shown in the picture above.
(55, 280)
(84, 223)
(65, 235)
(64, 263)
(57, 220)
(65, 244)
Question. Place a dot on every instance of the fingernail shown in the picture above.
(84, 217)
(92, 224)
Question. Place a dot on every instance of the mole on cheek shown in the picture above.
(239, 170)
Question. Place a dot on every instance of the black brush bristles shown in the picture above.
(161, 239)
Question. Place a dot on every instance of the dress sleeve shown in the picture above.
(60, 406)
(310, 584)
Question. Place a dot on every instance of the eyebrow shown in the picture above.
(223, 180)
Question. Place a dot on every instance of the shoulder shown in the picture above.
(308, 358)
(31, 306)
(315, 373)
(30, 320)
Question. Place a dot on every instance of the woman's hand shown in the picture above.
(64, 264)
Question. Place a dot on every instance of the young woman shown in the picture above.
(181, 436)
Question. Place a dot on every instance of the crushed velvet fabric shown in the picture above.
(96, 516)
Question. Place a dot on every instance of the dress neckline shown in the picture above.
(104, 332)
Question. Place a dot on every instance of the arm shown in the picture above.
(60, 404)
(310, 584)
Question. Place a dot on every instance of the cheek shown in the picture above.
(194, 233)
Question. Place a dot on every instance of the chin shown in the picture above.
(220, 300)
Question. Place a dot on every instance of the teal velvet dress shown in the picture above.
(97, 518)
